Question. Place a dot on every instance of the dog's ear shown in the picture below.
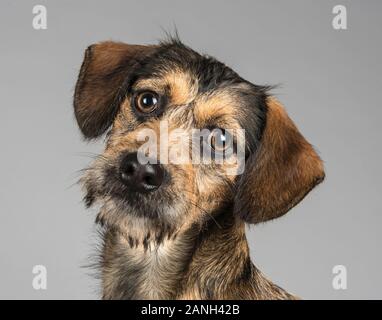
(105, 67)
(282, 171)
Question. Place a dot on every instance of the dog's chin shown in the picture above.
(157, 205)
(141, 223)
(141, 218)
(138, 205)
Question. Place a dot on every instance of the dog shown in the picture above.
(177, 231)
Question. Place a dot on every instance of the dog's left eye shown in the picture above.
(146, 102)
(220, 140)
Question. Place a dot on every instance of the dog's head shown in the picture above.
(125, 90)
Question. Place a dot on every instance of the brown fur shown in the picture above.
(286, 168)
(186, 240)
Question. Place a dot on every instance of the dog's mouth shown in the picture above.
(152, 200)
(141, 217)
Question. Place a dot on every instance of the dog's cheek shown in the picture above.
(89, 198)
(93, 180)
(88, 188)
(212, 188)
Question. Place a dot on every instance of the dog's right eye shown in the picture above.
(146, 102)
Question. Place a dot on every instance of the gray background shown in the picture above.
(330, 84)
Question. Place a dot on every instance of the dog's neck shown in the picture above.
(212, 263)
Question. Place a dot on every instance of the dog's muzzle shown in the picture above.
(142, 178)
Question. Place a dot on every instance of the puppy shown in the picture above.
(176, 230)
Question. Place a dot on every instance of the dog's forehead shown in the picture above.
(216, 95)
(218, 104)
(201, 82)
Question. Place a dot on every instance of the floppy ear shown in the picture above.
(281, 173)
(105, 67)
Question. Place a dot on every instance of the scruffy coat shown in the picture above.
(187, 239)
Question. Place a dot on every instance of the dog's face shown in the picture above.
(134, 91)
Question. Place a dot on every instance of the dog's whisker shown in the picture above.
(88, 155)
(201, 208)
(71, 186)
(206, 212)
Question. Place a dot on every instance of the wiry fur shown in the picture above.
(186, 240)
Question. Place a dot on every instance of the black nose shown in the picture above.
(140, 177)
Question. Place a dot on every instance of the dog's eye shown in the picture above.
(146, 102)
(220, 140)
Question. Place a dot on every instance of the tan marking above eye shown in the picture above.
(153, 84)
(221, 108)
(181, 86)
